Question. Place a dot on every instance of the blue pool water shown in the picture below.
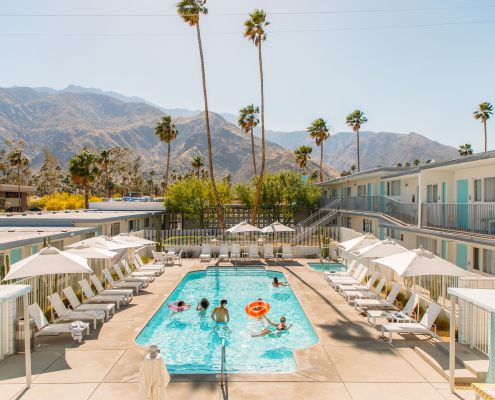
(191, 342)
(321, 267)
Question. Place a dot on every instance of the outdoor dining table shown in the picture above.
(169, 256)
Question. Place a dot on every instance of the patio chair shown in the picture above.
(379, 303)
(350, 295)
(396, 316)
(157, 268)
(111, 291)
(76, 305)
(148, 274)
(178, 257)
(169, 255)
(235, 252)
(368, 286)
(99, 298)
(224, 252)
(268, 253)
(287, 252)
(414, 328)
(205, 252)
(328, 274)
(64, 313)
(158, 257)
(134, 285)
(355, 279)
(42, 324)
(253, 252)
(122, 278)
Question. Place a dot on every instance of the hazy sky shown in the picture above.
(425, 79)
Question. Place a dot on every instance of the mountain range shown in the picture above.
(65, 122)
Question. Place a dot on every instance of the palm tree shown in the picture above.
(407, 164)
(189, 11)
(465, 150)
(399, 164)
(319, 131)
(353, 168)
(248, 120)
(166, 132)
(313, 176)
(197, 162)
(416, 162)
(104, 160)
(17, 160)
(255, 31)
(82, 170)
(173, 175)
(355, 120)
(301, 155)
(150, 183)
(483, 112)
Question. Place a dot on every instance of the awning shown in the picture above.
(482, 298)
(10, 292)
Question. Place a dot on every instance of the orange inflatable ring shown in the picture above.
(257, 308)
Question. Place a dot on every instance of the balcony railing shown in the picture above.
(469, 218)
(407, 213)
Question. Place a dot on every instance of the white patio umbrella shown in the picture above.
(86, 251)
(359, 243)
(101, 242)
(243, 227)
(277, 227)
(134, 240)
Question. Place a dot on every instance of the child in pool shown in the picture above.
(202, 305)
(276, 283)
(181, 305)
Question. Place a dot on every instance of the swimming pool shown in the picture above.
(320, 267)
(191, 342)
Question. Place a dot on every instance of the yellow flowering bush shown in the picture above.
(64, 201)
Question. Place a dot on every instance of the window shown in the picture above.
(393, 233)
(476, 258)
(432, 193)
(362, 190)
(489, 261)
(428, 244)
(334, 192)
(367, 226)
(347, 191)
(347, 222)
(146, 222)
(490, 189)
(477, 190)
(115, 229)
(12, 195)
(393, 188)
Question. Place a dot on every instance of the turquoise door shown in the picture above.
(444, 249)
(444, 200)
(462, 198)
(15, 255)
(369, 197)
(382, 193)
(462, 254)
(382, 233)
(34, 249)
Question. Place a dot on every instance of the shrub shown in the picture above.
(64, 201)
(145, 259)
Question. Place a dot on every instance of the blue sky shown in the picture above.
(426, 79)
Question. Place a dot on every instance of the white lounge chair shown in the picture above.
(138, 263)
(205, 252)
(387, 303)
(76, 305)
(368, 286)
(333, 280)
(42, 324)
(148, 274)
(253, 252)
(268, 252)
(64, 313)
(235, 252)
(144, 280)
(224, 252)
(328, 274)
(92, 298)
(356, 279)
(128, 293)
(415, 328)
(158, 257)
(129, 285)
(350, 295)
(287, 252)
(400, 316)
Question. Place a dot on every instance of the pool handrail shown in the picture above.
(222, 361)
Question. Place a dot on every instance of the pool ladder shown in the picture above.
(222, 361)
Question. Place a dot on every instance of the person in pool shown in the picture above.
(220, 314)
(280, 327)
(181, 305)
(276, 283)
(202, 305)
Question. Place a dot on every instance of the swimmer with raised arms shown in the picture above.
(280, 327)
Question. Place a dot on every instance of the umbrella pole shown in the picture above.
(51, 289)
(27, 341)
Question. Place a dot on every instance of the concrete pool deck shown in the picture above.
(348, 362)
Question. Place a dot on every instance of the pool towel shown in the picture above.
(153, 378)
(77, 328)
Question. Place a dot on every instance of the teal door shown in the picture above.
(462, 198)
(382, 193)
(462, 254)
(382, 233)
(369, 197)
(34, 249)
(444, 249)
(444, 200)
(15, 255)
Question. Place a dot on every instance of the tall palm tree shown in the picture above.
(465, 150)
(197, 162)
(318, 130)
(301, 155)
(82, 170)
(104, 160)
(416, 162)
(255, 31)
(189, 11)
(483, 113)
(355, 120)
(407, 164)
(248, 120)
(399, 165)
(313, 176)
(166, 132)
(150, 183)
(353, 168)
(17, 160)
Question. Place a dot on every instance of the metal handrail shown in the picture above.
(320, 211)
(222, 362)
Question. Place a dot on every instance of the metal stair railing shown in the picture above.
(316, 216)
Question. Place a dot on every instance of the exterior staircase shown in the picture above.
(310, 225)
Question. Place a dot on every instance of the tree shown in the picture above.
(255, 31)
(416, 162)
(83, 170)
(313, 176)
(189, 11)
(173, 175)
(407, 164)
(301, 155)
(355, 120)
(399, 164)
(248, 120)
(104, 160)
(166, 132)
(17, 160)
(465, 150)
(345, 173)
(50, 175)
(319, 131)
(353, 168)
(197, 163)
(149, 182)
(483, 113)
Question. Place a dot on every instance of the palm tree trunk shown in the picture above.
(258, 190)
(107, 194)
(484, 123)
(252, 145)
(210, 160)
(168, 161)
(321, 162)
(19, 187)
(357, 133)
(198, 172)
(86, 195)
